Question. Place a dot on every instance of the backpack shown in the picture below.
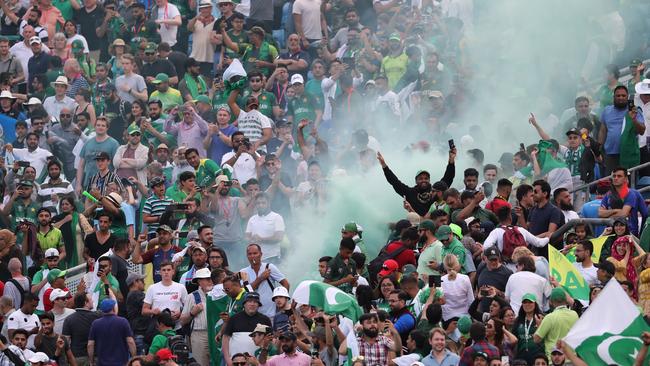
(20, 290)
(374, 267)
(512, 238)
(178, 346)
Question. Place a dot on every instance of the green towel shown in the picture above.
(629, 147)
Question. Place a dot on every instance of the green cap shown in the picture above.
(443, 232)
(133, 128)
(427, 225)
(351, 227)
(77, 45)
(161, 78)
(456, 230)
(408, 270)
(54, 274)
(26, 183)
(529, 297)
(394, 37)
(464, 323)
(151, 47)
(202, 99)
(558, 294)
(635, 62)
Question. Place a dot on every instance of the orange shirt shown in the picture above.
(49, 19)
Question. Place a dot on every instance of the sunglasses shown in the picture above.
(136, 134)
(149, 53)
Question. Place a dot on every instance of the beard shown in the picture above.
(370, 333)
(287, 348)
(566, 206)
(224, 192)
(620, 105)
(424, 187)
(423, 239)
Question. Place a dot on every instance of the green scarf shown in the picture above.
(72, 257)
(195, 88)
(546, 161)
(629, 147)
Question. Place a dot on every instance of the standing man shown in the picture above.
(557, 324)
(76, 327)
(101, 145)
(266, 227)
(264, 277)
(110, 338)
(165, 294)
(155, 206)
(168, 18)
(130, 160)
(89, 18)
(544, 218)
(130, 86)
(159, 255)
(54, 104)
(236, 332)
(194, 313)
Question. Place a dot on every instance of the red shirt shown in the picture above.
(405, 257)
(496, 204)
(47, 304)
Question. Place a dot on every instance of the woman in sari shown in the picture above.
(74, 227)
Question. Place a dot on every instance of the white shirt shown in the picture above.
(20, 320)
(391, 99)
(524, 282)
(252, 124)
(588, 273)
(265, 227)
(54, 106)
(496, 238)
(168, 32)
(458, 296)
(310, 12)
(36, 158)
(163, 297)
(244, 167)
(265, 291)
(560, 178)
(570, 215)
(645, 108)
(60, 318)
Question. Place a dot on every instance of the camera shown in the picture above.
(247, 143)
(23, 164)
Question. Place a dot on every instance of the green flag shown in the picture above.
(609, 332)
(215, 303)
(629, 146)
(328, 298)
(567, 275)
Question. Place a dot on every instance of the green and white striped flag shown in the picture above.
(328, 298)
(609, 332)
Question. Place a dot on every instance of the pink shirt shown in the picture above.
(296, 359)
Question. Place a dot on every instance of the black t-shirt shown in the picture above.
(117, 111)
(155, 68)
(88, 24)
(48, 346)
(139, 323)
(7, 26)
(120, 270)
(540, 218)
(77, 326)
(497, 278)
(242, 322)
(95, 248)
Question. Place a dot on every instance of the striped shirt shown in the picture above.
(155, 206)
(375, 353)
(47, 189)
(101, 182)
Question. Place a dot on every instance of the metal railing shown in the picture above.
(631, 171)
(75, 274)
(558, 235)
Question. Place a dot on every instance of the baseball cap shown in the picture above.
(606, 266)
(221, 178)
(34, 40)
(254, 296)
(52, 252)
(58, 293)
(427, 225)
(202, 273)
(394, 37)
(161, 78)
(422, 172)
(132, 277)
(529, 297)
(26, 183)
(55, 273)
(443, 232)
(408, 270)
(77, 45)
(133, 128)
(151, 47)
(413, 218)
(288, 335)
(389, 267)
(259, 328)
(33, 101)
(440, 186)
(102, 155)
(573, 131)
(165, 354)
(297, 79)
(557, 350)
(480, 354)
(202, 99)
(164, 228)
(156, 181)
(492, 252)
(470, 220)
(107, 305)
(351, 227)
(162, 146)
(557, 294)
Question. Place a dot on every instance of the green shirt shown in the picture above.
(239, 39)
(236, 305)
(394, 68)
(303, 107)
(431, 253)
(206, 173)
(22, 211)
(338, 269)
(266, 101)
(169, 99)
(456, 248)
(112, 281)
(160, 341)
(555, 326)
(53, 238)
(88, 66)
(313, 88)
(64, 6)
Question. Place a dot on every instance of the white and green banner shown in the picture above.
(609, 332)
(328, 298)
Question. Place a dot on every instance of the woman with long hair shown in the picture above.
(528, 320)
(114, 64)
(74, 227)
(508, 316)
(497, 303)
(138, 109)
(384, 288)
(70, 31)
(457, 288)
(84, 105)
(60, 47)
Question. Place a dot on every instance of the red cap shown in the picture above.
(164, 354)
(389, 267)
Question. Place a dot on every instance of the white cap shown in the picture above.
(280, 291)
(6, 94)
(58, 293)
(35, 39)
(39, 357)
(52, 252)
(642, 87)
(205, 4)
(33, 101)
(297, 78)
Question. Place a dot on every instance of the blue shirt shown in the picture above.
(109, 333)
(590, 211)
(637, 205)
(7, 129)
(450, 359)
(217, 147)
(613, 119)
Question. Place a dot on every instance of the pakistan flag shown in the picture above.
(609, 332)
(215, 303)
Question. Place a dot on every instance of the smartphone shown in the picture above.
(522, 147)
(505, 360)
(434, 281)
(181, 206)
(126, 182)
(630, 104)
(23, 164)
(452, 145)
(485, 291)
